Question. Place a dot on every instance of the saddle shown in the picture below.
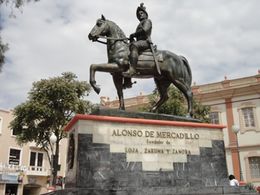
(147, 56)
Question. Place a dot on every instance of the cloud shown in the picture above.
(219, 38)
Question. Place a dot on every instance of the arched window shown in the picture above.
(254, 167)
(214, 117)
(248, 117)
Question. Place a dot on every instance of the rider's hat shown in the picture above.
(141, 8)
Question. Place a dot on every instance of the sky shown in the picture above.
(218, 37)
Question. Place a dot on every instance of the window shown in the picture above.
(214, 117)
(248, 116)
(36, 160)
(254, 166)
(14, 157)
(15, 132)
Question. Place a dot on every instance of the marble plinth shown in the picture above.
(110, 154)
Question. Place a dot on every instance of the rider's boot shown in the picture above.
(130, 72)
(133, 62)
(127, 83)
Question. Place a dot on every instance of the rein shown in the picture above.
(111, 38)
(116, 39)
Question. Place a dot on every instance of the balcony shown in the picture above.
(9, 168)
(37, 171)
(31, 170)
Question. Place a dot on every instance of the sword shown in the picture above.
(154, 56)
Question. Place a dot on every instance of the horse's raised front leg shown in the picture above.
(102, 68)
(118, 81)
(92, 80)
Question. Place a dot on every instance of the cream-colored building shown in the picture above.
(237, 102)
(24, 170)
(232, 102)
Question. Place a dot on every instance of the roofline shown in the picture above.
(225, 80)
(3, 110)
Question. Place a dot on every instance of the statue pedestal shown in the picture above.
(121, 155)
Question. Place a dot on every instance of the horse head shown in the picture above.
(100, 29)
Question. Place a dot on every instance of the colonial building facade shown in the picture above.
(24, 169)
(237, 103)
(234, 103)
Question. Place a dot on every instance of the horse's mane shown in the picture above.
(117, 29)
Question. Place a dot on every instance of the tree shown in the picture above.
(49, 107)
(176, 105)
(16, 3)
(3, 49)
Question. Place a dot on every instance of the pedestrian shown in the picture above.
(233, 181)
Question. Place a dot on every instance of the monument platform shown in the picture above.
(114, 153)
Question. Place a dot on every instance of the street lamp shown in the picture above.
(236, 129)
(53, 139)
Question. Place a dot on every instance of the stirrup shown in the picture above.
(129, 73)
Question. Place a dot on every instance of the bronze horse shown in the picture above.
(174, 69)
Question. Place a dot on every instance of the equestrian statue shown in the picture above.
(137, 57)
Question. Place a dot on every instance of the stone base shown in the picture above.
(142, 115)
(111, 155)
(218, 190)
(101, 169)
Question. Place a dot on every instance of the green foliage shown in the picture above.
(51, 104)
(201, 112)
(174, 104)
(177, 105)
(16, 3)
(3, 49)
(250, 186)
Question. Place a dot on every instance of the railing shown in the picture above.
(28, 170)
(4, 167)
(34, 170)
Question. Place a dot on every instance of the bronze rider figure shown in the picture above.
(143, 39)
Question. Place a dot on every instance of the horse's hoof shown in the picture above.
(188, 115)
(97, 90)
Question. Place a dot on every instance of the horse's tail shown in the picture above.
(187, 65)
